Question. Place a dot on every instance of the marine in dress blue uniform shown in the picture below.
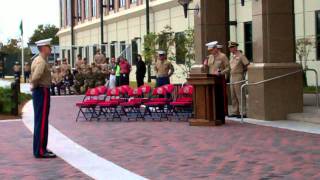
(40, 84)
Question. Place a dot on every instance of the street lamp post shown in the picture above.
(148, 31)
(102, 6)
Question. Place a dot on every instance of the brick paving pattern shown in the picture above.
(17, 161)
(174, 150)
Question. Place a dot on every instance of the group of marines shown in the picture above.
(217, 63)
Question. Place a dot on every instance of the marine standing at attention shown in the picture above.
(40, 84)
(238, 64)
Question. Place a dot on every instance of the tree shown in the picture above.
(45, 32)
(303, 48)
(12, 47)
(149, 45)
(165, 39)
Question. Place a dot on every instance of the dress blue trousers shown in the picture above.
(41, 106)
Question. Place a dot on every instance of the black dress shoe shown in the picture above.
(50, 152)
(239, 116)
(233, 115)
(46, 156)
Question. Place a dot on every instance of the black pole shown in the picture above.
(148, 31)
(72, 32)
(101, 22)
(227, 25)
(148, 16)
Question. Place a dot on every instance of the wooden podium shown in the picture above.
(208, 100)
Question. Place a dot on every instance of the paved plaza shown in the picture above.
(156, 150)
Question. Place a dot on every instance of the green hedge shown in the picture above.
(6, 103)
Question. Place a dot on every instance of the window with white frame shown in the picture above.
(61, 13)
(68, 12)
(94, 8)
(86, 8)
(122, 3)
(111, 4)
(79, 8)
(133, 1)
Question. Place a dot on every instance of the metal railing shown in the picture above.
(258, 83)
(238, 82)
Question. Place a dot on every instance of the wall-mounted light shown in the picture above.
(185, 5)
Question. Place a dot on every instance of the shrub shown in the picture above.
(6, 103)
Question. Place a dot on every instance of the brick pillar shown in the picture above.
(210, 25)
(116, 6)
(274, 55)
(90, 9)
(127, 4)
(83, 10)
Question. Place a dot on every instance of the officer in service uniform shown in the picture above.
(218, 64)
(99, 58)
(27, 71)
(40, 84)
(238, 64)
(64, 67)
(17, 70)
(164, 69)
(85, 66)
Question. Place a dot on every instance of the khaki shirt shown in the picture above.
(104, 68)
(218, 62)
(99, 59)
(78, 64)
(84, 68)
(57, 77)
(64, 68)
(238, 63)
(162, 68)
(40, 72)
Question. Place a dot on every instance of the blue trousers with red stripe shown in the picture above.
(41, 106)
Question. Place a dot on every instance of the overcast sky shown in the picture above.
(32, 12)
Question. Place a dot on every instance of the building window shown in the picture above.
(122, 3)
(103, 49)
(94, 50)
(180, 48)
(113, 50)
(133, 1)
(248, 40)
(61, 13)
(68, 12)
(87, 54)
(79, 8)
(69, 56)
(123, 49)
(111, 4)
(86, 8)
(63, 53)
(318, 34)
(134, 47)
(94, 8)
(80, 51)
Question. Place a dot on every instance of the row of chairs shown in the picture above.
(138, 103)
